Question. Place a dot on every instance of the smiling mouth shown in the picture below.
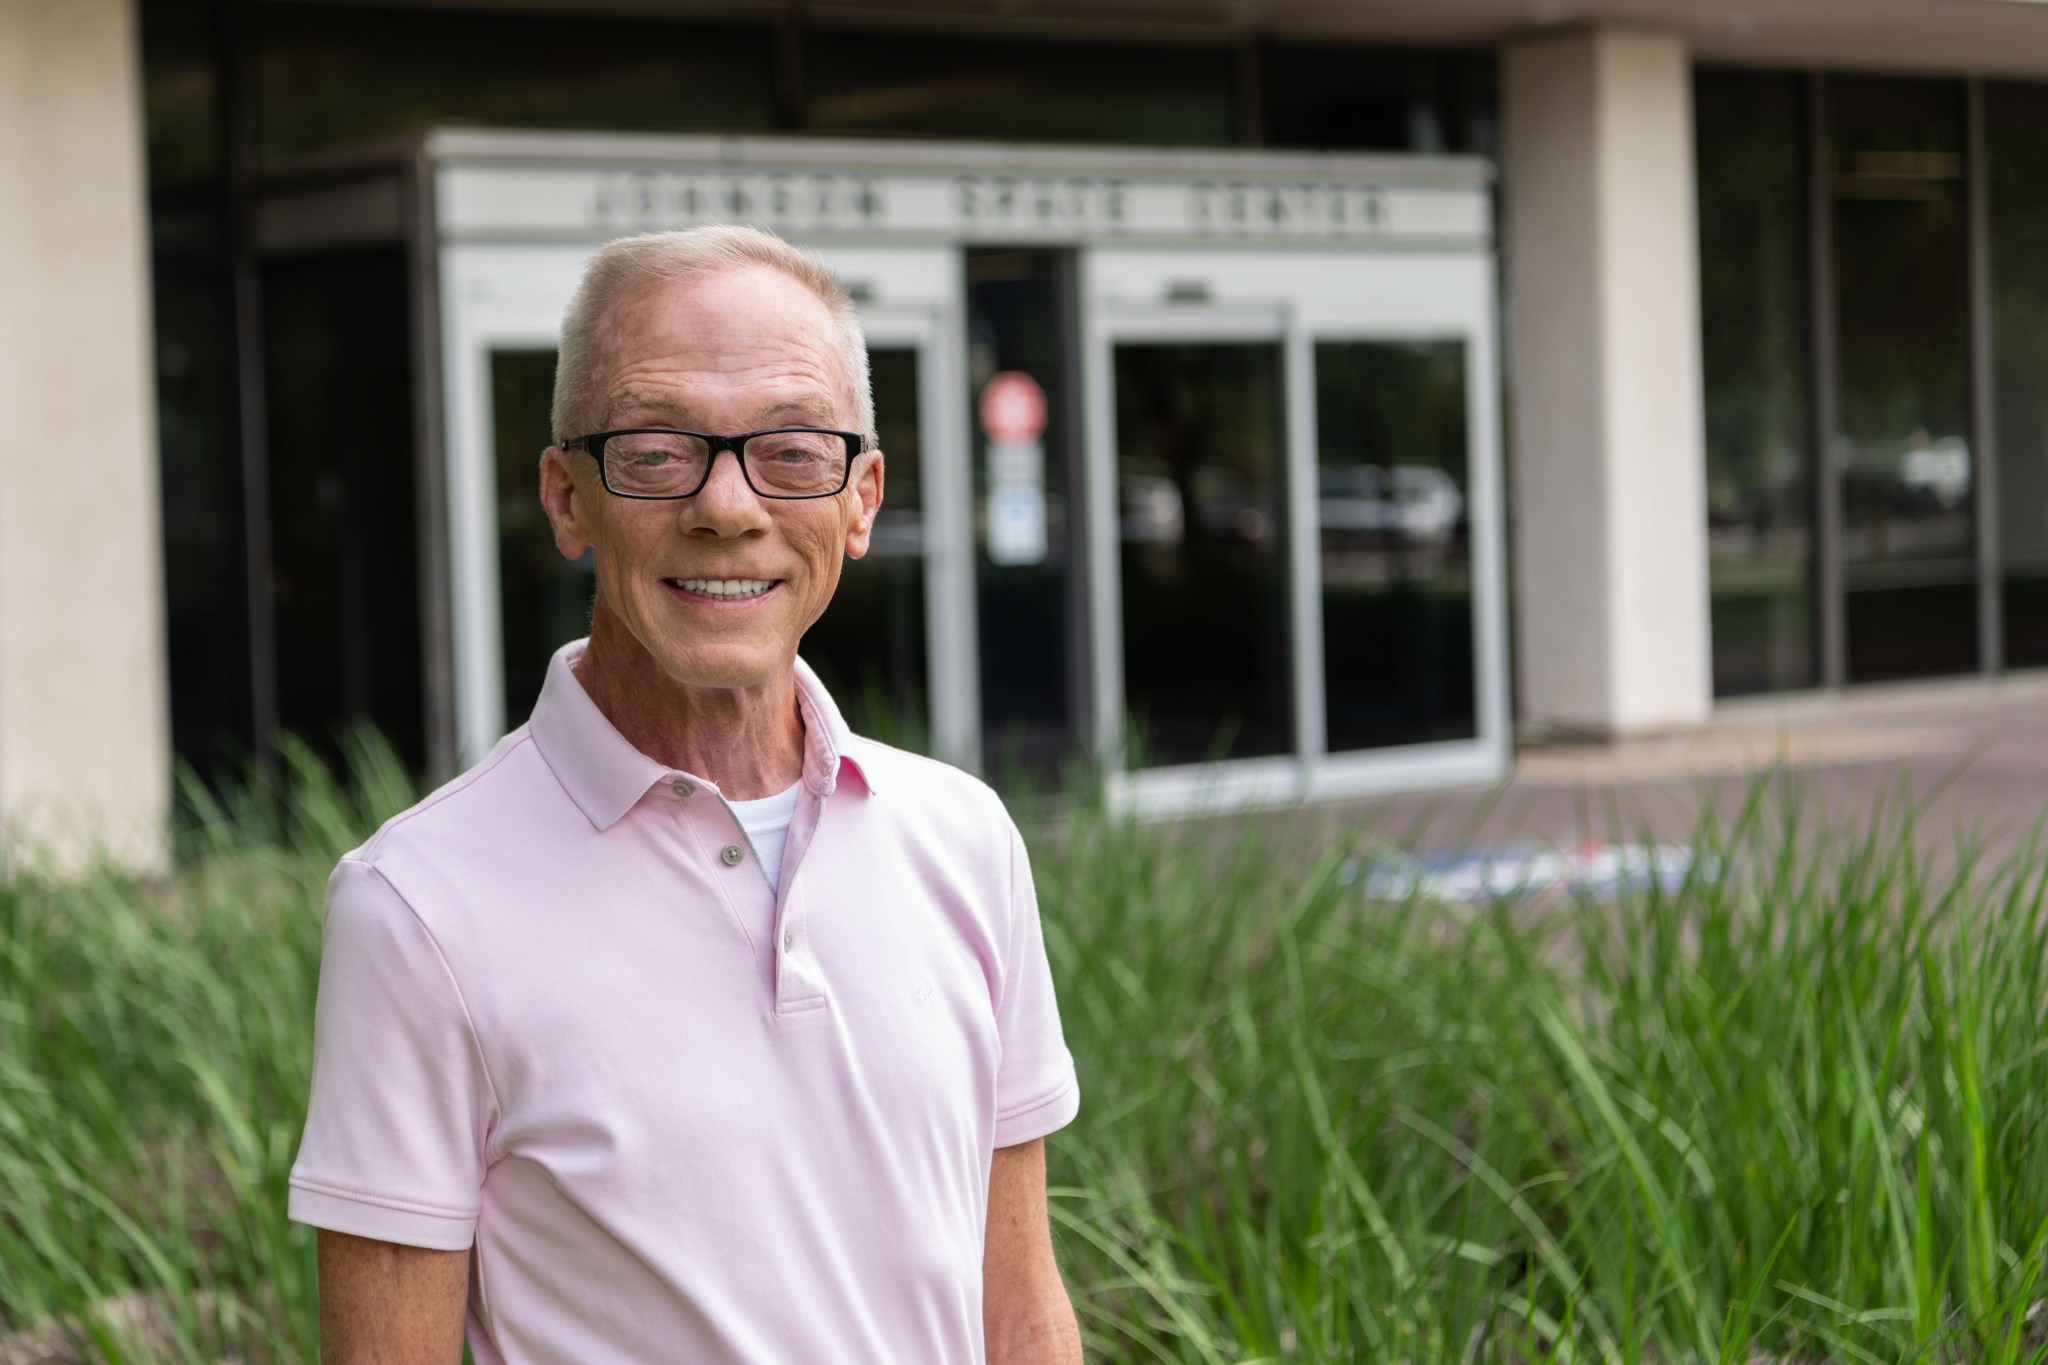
(723, 589)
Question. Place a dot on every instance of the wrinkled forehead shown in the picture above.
(731, 322)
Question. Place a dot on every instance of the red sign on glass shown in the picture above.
(1013, 409)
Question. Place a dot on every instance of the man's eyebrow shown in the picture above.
(657, 402)
(784, 411)
(644, 400)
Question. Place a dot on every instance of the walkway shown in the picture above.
(1974, 754)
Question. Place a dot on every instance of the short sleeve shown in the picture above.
(401, 1111)
(1036, 1089)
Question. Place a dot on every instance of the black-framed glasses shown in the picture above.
(661, 462)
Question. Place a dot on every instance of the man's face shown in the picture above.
(738, 350)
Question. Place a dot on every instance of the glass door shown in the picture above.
(1294, 524)
(1904, 463)
(895, 645)
(1201, 444)
(1394, 542)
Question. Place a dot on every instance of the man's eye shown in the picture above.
(651, 458)
(795, 453)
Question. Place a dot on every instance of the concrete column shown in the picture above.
(1609, 481)
(84, 747)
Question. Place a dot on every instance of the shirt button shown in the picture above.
(788, 939)
(681, 787)
(732, 855)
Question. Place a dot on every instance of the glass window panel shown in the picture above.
(941, 86)
(869, 647)
(1754, 285)
(206, 587)
(331, 75)
(1904, 456)
(1378, 99)
(344, 534)
(180, 95)
(1019, 318)
(1200, 435)
(1396, 543)
(2016, 131)
(543, 599)
(206, 581)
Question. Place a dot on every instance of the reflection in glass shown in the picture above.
(1904, 454)
(341, 75)
(869, 647)
(1396, 543)
(1200, 431)
(1019, 317)
(940, 85)
(543, 599)
(1754, 283)
(344, 537)
(2016, 133)
(1382, 99)
(207, 633)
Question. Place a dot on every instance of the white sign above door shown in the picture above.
(551, 186)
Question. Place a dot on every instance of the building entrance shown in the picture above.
(1297, 535)
(1242, 546)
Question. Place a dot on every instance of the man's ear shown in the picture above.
(867, 494)
(567, 502)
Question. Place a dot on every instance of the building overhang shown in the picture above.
(1982, 37)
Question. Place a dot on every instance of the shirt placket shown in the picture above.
(799, 984)
(796, 982)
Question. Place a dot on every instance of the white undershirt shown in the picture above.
(767, 825)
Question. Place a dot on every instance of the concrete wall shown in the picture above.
(84, 747)
(1610, 556)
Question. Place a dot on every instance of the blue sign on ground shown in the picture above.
(1514, 871)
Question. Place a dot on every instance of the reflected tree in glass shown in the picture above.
(1904, 459)
(1200, 432)
(1754, 284)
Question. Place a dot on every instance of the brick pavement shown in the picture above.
(1973, 753)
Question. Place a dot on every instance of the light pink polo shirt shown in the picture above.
(563, 1020)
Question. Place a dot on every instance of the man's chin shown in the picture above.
(725, 668)
(689, 660)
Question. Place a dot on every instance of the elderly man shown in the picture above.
(689, 1026)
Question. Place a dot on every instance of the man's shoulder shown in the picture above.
(461, 812)
(933, 789)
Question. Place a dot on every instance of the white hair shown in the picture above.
(629, 264)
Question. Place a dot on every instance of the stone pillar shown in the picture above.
(84, 727)
(1609, 480)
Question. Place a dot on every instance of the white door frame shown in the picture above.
(946, 501)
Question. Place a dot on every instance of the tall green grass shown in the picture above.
(1795, 1108)
(154, 1061)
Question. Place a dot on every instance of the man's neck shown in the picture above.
(750, 740)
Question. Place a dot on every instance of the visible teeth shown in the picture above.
(726, 587)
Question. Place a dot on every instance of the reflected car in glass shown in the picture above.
(1410, 501)
(1149, 509)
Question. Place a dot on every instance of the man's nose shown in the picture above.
(726, 504)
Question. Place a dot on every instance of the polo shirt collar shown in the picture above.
(829, 743)
(606, 776)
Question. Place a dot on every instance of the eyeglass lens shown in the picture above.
(659, 464)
